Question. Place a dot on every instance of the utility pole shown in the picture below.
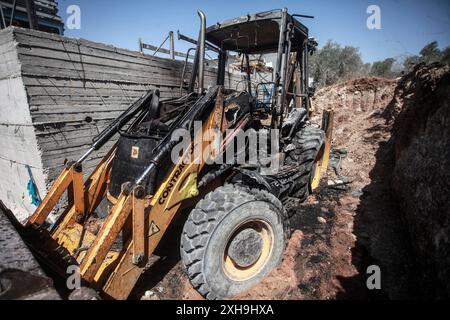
(2, 22)
(172, 46)
(31, 13)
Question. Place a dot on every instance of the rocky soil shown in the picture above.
(342, 229)
(421, 110)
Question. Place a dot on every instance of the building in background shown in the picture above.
(34, 14)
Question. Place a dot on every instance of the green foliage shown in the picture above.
(410, 62)
(383, 68)
(446, 55)
(429, 54)
(334, 62)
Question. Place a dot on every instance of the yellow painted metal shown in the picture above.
(323, 158)
(78, 192)
(312, 108)
(317, 170)
(97, 184)
(138, 218)
(327, 126)
(70, 239)
(105, 238)
(98, 180)
(107, 266)
(111, 198)
(52, 198)
(165, 205)
(189, 187)
(74, 237)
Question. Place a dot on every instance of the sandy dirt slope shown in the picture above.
(336, 233)
(421, 116)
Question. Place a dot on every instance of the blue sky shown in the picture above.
(407, 25)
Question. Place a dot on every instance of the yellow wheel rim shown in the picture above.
(232, 266)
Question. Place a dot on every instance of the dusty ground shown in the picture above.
(338, 232)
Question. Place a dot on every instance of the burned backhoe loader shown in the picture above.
(237, 224)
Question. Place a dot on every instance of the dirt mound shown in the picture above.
(421, 109)
(357, 95)
(359, 126)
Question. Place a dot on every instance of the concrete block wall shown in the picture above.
(57, 93)
(18, 141)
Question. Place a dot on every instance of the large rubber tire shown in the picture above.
(211, 226)
(309, 144)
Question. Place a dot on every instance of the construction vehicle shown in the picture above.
(236, 224)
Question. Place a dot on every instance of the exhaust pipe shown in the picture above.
(198, 67)
(201, 51)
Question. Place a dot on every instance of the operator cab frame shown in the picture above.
(274, 31)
